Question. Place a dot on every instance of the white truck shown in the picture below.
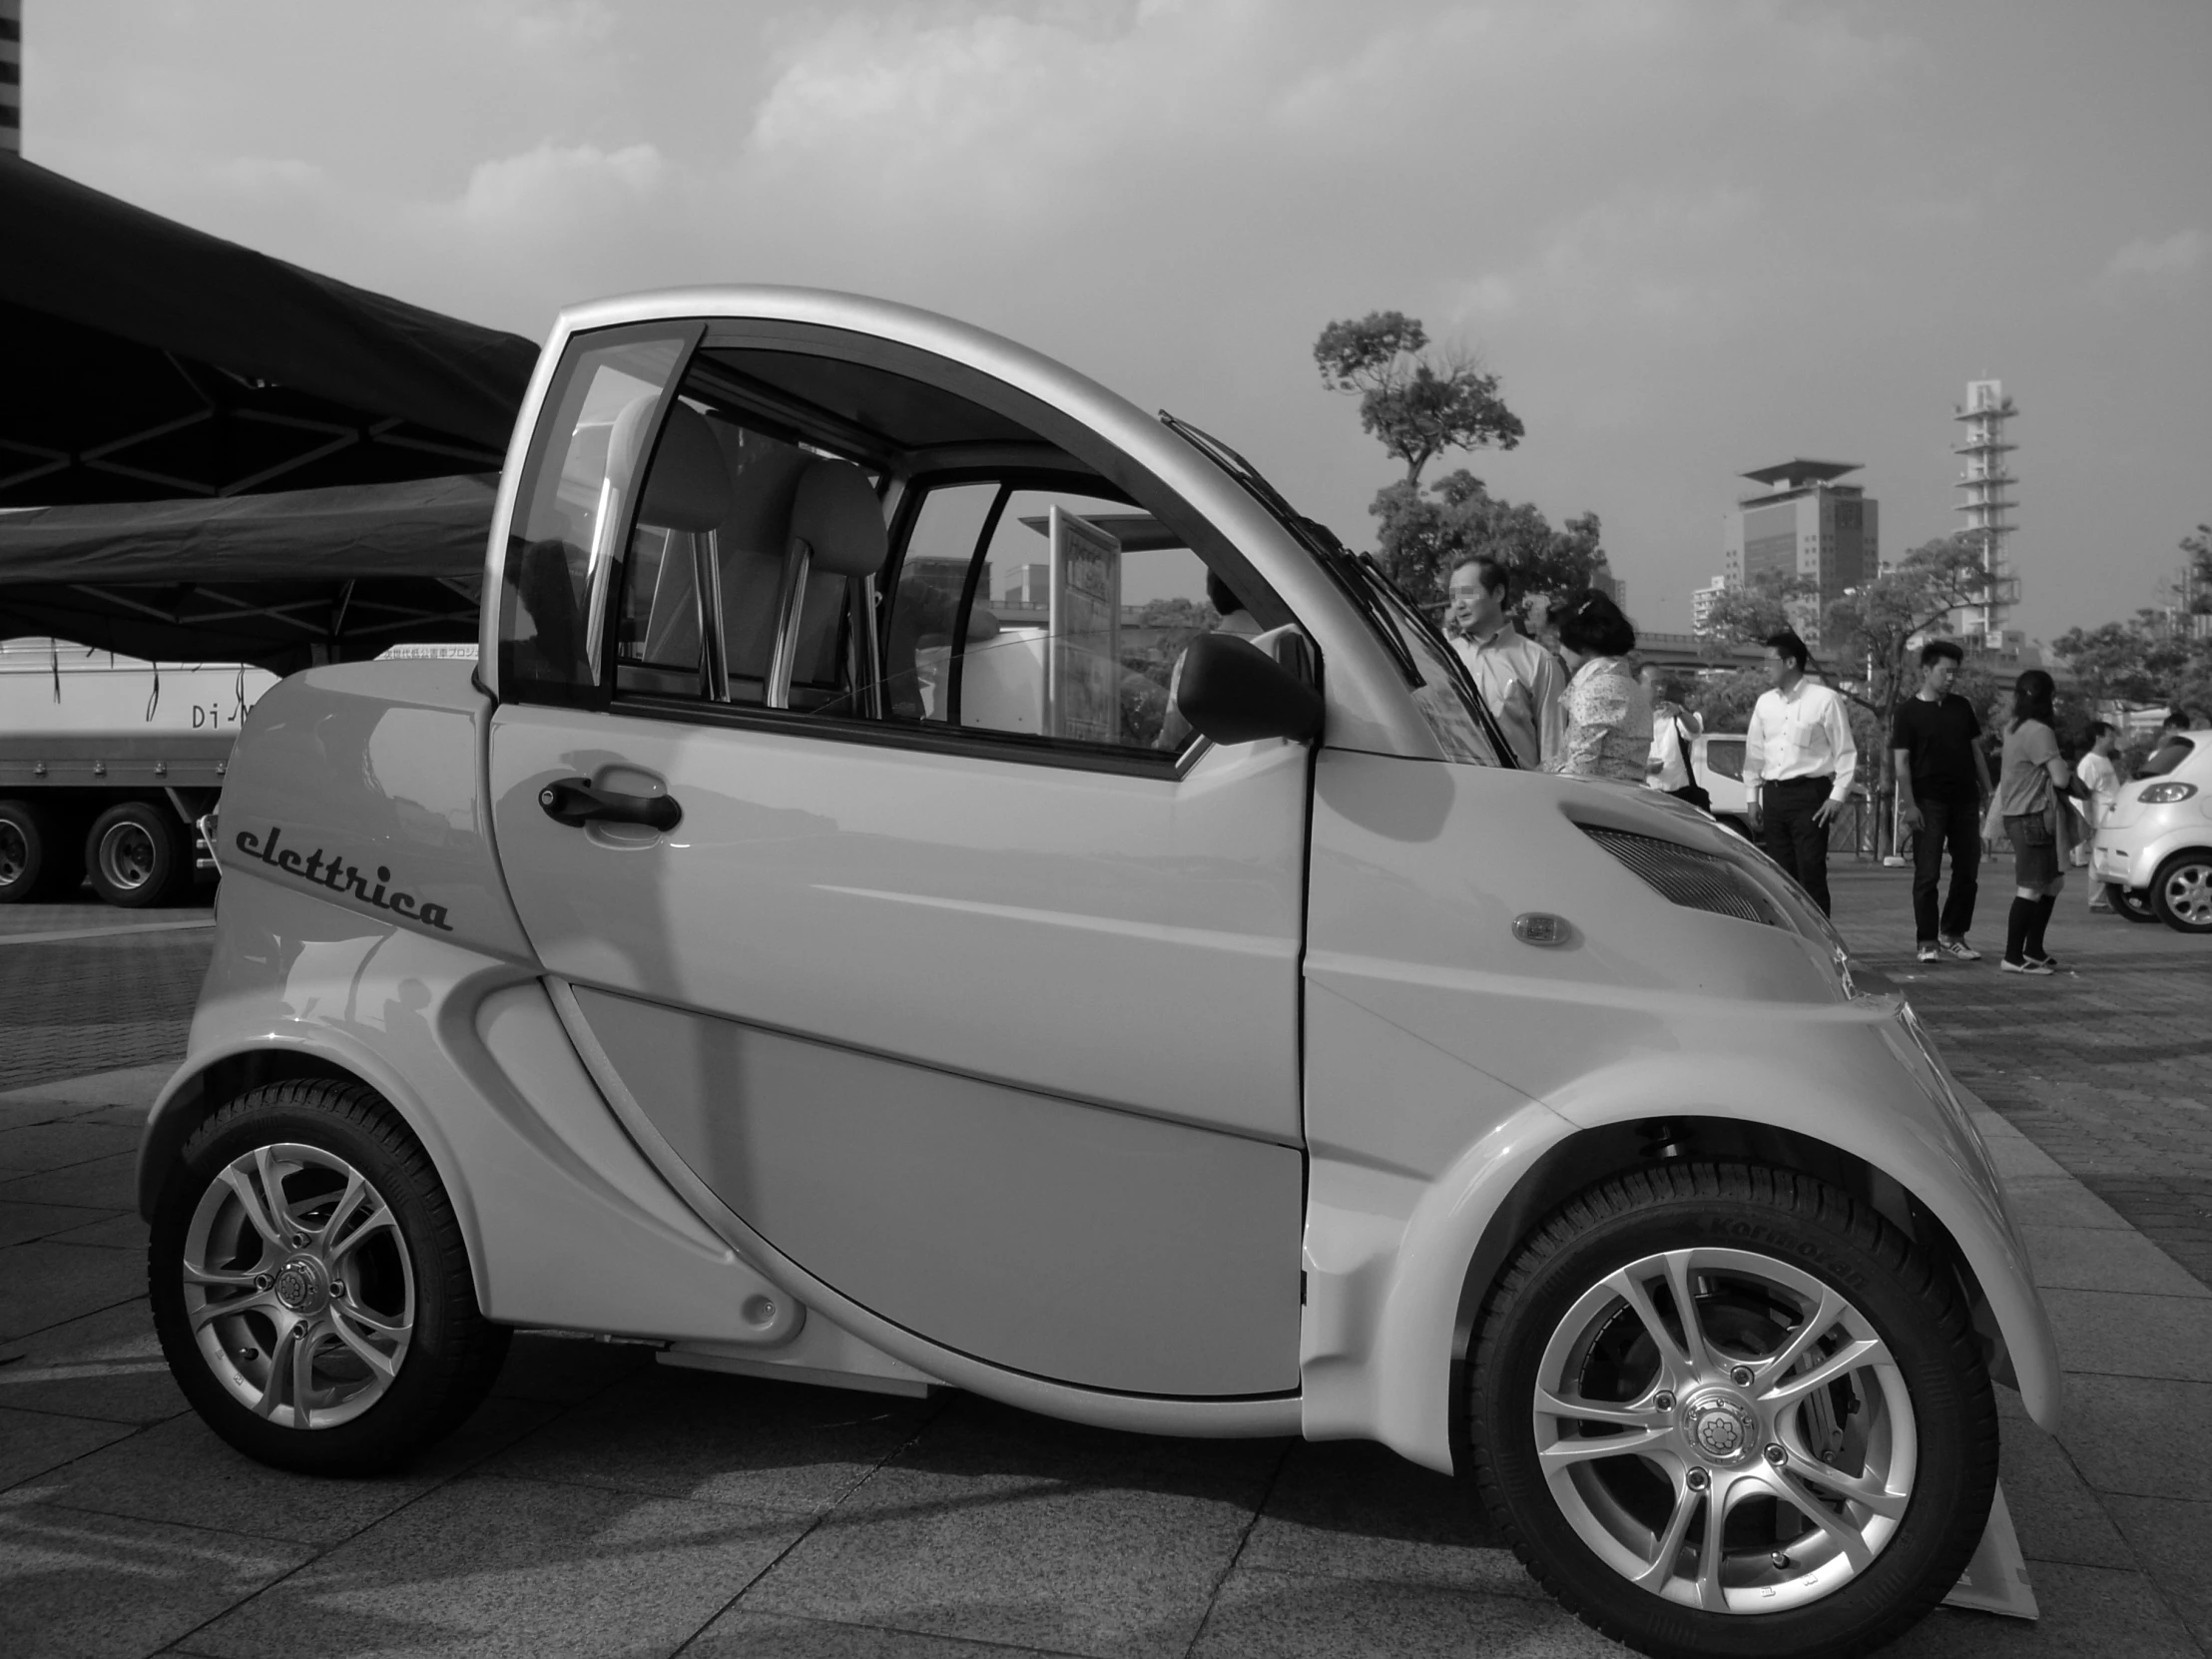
(106, 766)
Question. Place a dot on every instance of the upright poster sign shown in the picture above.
(1083, 668)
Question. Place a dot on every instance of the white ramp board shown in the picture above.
(1995, 1581)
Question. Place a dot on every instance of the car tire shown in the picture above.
(37, 854)
(304, 1255)
(2181, 893)
(2134, 904)
(136, 856)
(1620, 1538)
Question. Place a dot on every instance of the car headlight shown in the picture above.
(2158, 794)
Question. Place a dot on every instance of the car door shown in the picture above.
(989, 1023)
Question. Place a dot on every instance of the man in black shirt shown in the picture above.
(1942, 781)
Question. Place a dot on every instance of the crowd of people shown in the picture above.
(1569, 699)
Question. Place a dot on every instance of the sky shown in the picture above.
(1691, 237)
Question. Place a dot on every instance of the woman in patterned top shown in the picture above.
(1608, 713)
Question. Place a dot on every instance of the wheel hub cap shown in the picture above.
(303, 1286)
(1722, 1428)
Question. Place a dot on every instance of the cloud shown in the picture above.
(546, 25)
(268, 176)
(2177, 256)
(552, 184)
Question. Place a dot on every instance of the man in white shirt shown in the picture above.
(2102, 779)
(1797, 763)
(1519, 679)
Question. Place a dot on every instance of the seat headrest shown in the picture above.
(837, 516)
(689, 487)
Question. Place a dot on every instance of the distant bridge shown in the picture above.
(1695, 651)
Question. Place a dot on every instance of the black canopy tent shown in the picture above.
(162, 383)
(282, 580)
(145, 359)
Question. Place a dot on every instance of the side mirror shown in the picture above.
(1234, 692)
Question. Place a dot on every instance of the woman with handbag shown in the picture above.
(2030, 801)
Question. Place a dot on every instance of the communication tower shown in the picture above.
(1987, 480)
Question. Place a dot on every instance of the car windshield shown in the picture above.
(1442, 687)
(2172, 749)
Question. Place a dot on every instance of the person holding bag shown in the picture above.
(2030, 801)
(1671, 770)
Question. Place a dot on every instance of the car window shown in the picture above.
(574, 499)
(1724, 757)
(1048, 614)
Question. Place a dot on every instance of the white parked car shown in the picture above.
(2156, 845)
(1719, 757)
(940, 879)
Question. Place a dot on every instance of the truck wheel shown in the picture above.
(1726, 1410)
(36, 859)
(2182, 892)
(136, 854)
(309, 1284)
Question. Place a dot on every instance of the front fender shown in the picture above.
(1390, 1253)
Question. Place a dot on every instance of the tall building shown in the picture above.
(1986, 479)
(1701, 601)
(11, 77)
(1804, 524)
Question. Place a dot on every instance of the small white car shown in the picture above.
(2155, 843)
(1718, 757)
(942, 878)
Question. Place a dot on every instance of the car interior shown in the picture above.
(837, 539)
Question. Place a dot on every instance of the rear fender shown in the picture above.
(564, 1222)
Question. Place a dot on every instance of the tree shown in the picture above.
(1420, 399)
(1417, 400)
(1749, 615)
(2154, 660)
(1424, 534)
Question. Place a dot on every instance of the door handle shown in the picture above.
(575, 803)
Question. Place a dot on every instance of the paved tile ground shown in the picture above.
(73, 1006)
(603, 1503)
(2106, 1066)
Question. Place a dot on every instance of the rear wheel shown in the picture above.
(309, 1284)
(2182, 894)
(1726, 1410)
(37, 860)
(137, 856)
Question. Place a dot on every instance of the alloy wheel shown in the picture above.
(1725, 1430)
(2185, 891)
(15, 853)
(299, 1287)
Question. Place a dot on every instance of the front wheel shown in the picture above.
(2182, 892)
(2133, 903)
(309, 1284)
(1727, 1410)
